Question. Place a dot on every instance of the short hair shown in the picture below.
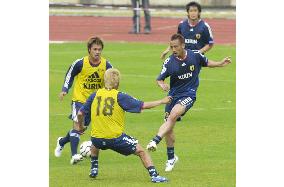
(112, 78)
(178, 37)
(194, 4)
(94, 40)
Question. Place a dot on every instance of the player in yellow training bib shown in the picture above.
(87, 74)
(107, 108)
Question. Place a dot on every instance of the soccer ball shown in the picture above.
(85, 149)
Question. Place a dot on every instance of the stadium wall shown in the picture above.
(162, 3)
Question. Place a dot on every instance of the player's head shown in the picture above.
(177, 44)
(193, 10)
(112, 78)
(95, 46)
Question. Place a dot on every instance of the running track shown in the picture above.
(80, 28)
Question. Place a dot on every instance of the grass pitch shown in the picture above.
(205, 138)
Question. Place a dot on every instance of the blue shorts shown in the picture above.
(75, 107)
(186, 101)
(124, 144)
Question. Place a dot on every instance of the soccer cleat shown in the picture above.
(94, 173)
(76, 158)
(152, 146)
(158, 179)
(170, 164)
(58, 149)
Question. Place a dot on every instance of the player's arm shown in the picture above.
(208, 39)
(152, 104)
(108, 65)
(133, 105)
(163, 75)
(224, 62)
(206, 48)
(210, 63)
(73, 70)
(165, 87)
(164, 53)
(85, 109)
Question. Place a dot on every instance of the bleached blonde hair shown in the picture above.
(112, 78)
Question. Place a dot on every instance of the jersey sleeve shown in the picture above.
(208, 35)
(203, 60)
(73, 70)
(179, 28)
(86, 108)
(128, 103)
(165, 71)
(108, 65)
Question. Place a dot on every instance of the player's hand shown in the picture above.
(165, 87)
(61, 95)
(226, 61)
(166, 100)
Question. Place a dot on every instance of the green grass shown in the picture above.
(205, 138)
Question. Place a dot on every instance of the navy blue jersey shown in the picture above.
(183, 74)
(125, 101)
(75, 69)
(195, 37)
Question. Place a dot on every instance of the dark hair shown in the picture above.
(195, 4)
(94, 40)
(178, 37)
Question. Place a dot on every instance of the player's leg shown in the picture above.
(94, 161)
(61, 141)
(148, 164)
(146, 6)
(172, 158)
(74, 142)
(167, 126)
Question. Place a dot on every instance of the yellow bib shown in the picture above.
(89, 80)
(107, 117)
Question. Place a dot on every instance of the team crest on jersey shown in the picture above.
(198, 36)
(191, 68)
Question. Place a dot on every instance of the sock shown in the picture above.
(157, 139)
(152, 171)
(64, 140)
(74, 141)
(171, 153)
(94, 162)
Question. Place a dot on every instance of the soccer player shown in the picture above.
(196, 32)
(183, 68)
(107, 108)
(89, 77)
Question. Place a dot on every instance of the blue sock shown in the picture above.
(171, 152)
(152, 171)
(74, 141)
(157, 139)
(94, 162)
(64, 140)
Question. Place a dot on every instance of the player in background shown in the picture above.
(107, 108)
(196, 32)
(88, 73)
(183, 68)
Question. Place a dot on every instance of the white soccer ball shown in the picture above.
(85, 149)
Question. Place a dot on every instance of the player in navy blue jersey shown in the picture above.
(183, 68)
(196, 32)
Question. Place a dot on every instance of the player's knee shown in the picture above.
(139, 150)
(173, 116)
(78, 127)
